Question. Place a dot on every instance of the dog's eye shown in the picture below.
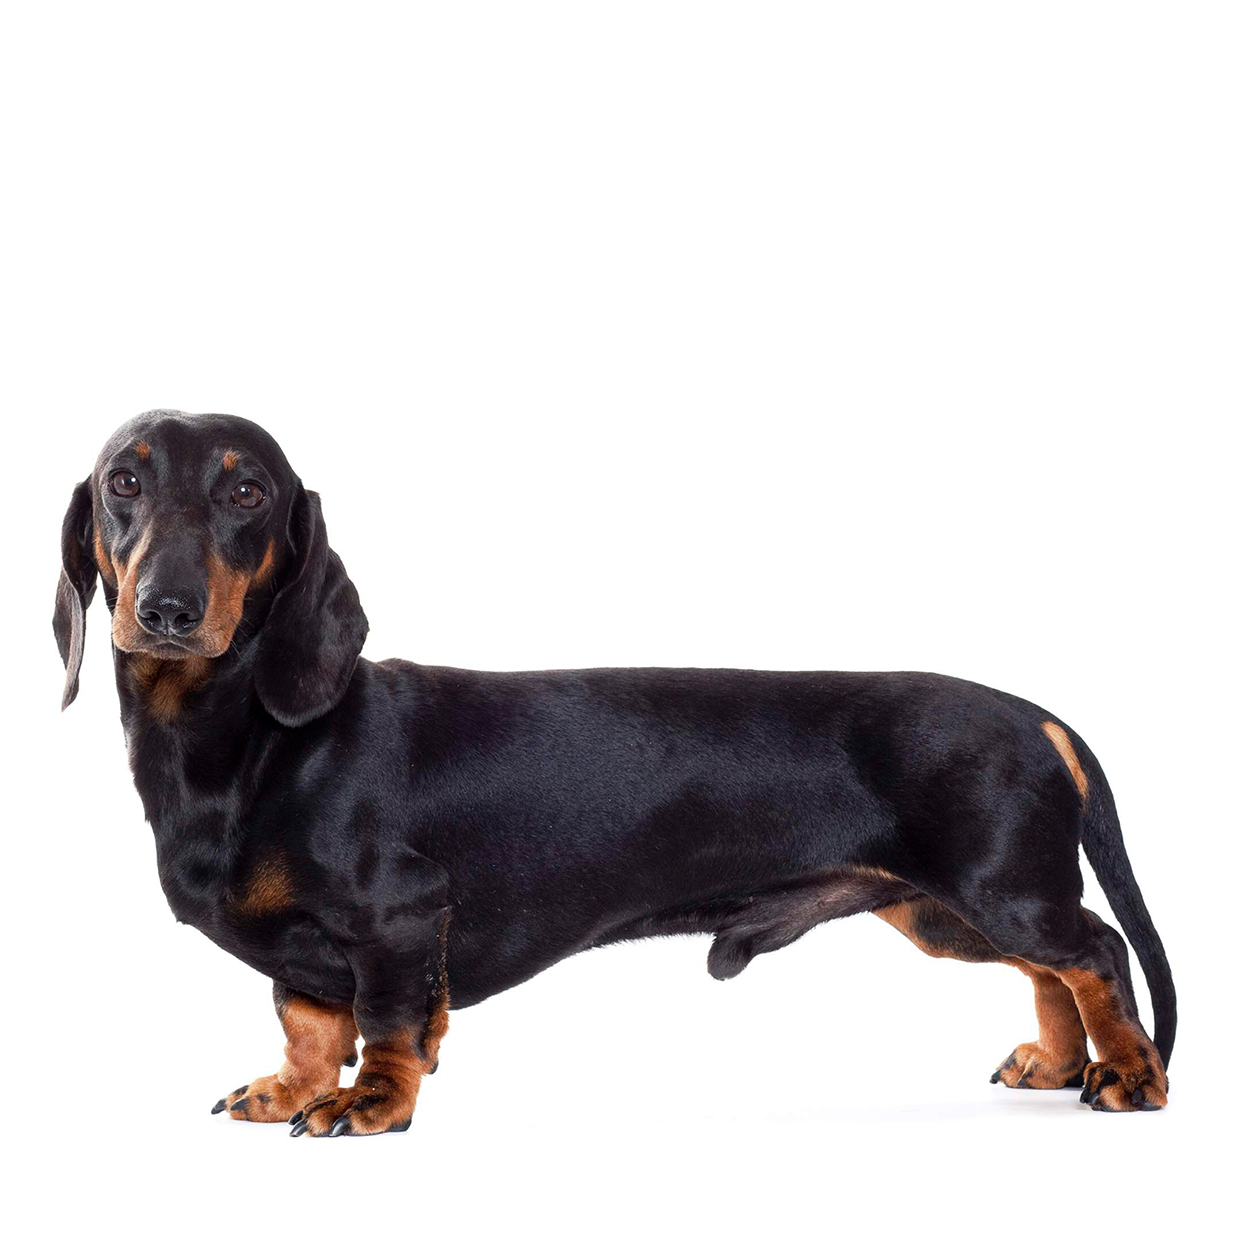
(124, 483)
(247, 495)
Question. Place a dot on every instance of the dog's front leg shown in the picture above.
(320, 1038)
(401, 1010)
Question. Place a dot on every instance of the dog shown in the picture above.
(392, 841)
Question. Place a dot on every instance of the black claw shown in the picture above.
(995, 1075)
(241, 1090)
(340, 1126)
(300, 1129)
(218, 1106)
(241, 1105)
(1137, 1098)
(296, 1118)
(433, 1069)
(401, 1127)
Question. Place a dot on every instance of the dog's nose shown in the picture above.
(171, 614)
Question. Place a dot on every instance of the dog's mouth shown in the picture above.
(166, 650)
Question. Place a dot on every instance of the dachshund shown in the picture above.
(390, 841)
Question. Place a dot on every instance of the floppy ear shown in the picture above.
(75, 587)
(309, 645)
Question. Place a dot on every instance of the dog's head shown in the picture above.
(206, 540)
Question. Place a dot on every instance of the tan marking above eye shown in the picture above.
(1067, 752)
(230, 461)
(142, 450)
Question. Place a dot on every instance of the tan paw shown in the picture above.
(264, 1101)
(385, 1107)
(1133, 1082)
(1031, 1067)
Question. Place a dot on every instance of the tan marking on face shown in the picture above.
(128, 634)
(102, 561)
(1063, 744)
(142, 450)
(269, 889)
(227, 589)
(230, 461)
(164, 684)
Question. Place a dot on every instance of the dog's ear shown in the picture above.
(75, 588)
(310, 642)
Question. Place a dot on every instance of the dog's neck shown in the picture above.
(191, 732)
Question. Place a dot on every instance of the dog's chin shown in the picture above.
(168, 650)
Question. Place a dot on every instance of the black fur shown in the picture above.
(536, 815)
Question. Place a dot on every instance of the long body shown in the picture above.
(571, 808)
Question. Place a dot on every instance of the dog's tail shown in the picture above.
(1104, 844)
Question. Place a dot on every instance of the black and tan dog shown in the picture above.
(389, 841)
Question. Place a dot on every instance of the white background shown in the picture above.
(834, 336)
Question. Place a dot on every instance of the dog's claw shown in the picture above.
(300, 1129)
(218, 1107)
(296, 1118)
(340, 1126)
(241, 1105)
(994, 1076)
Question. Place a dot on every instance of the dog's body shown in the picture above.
(388, 841)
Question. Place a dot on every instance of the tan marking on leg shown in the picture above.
(1059, 1056)
(230, 461)
(901, 916)
(269, 888)
(319, 1038)
(1063, 744)
(1129, 1073)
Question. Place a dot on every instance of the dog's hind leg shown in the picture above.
(1059, 1056)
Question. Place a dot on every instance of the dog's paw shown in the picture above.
(356, 1112)
(1031, 1067)
(264, 1101)
(1129, 1083)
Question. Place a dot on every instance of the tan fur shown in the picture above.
(230, 461)
(1059, 1054)
(142, 450)
(319, 1037)
(164, 684)
(128, 634)
(269, 889)
(102, 561)
(1125, 1053)
(227, 589)
(1063, 744)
